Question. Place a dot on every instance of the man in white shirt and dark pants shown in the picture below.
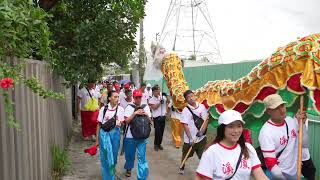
(193, 137)
(158, 103)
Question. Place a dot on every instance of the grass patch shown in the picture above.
(61, 162)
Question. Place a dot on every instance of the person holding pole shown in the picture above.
(194, 133)
(229, 156)
(278, 139)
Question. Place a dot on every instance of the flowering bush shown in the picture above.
(6, 83)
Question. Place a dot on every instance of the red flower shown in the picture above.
(6, 83)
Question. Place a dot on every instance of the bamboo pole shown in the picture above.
(299, 163)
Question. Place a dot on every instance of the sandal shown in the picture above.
(128, 173)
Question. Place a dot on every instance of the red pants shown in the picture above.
(89, 121)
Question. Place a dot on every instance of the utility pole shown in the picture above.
(141, 53)
(194, 42)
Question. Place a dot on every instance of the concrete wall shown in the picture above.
(26, 154)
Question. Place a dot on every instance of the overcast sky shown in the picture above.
(247, 29)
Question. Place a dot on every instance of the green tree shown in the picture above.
(192, 57)
(92, 34)
(24, 33)
(23, 30)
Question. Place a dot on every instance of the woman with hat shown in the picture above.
(229, 156)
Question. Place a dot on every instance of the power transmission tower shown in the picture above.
(188, 30)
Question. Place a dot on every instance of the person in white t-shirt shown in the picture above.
(108, 139)
(131, 144)
(145, 95)
(88, 117)
(110, 87)
(308, 169)
(158, 104)
(98, 87)
(149, 91)
(124, 102)
(132, 86)
(278, 139)
(117, 87)
(229, 156)
(193, 137)
(122, 93)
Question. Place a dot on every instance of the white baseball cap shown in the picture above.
(230, 116)
(148, 85)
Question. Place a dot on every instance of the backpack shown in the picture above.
(140, 126)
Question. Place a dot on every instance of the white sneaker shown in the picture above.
(181, 171)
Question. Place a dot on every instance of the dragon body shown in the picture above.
(292, 70)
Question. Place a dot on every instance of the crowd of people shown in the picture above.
(109, 110)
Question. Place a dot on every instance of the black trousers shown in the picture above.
(308, 169)
(159, 124)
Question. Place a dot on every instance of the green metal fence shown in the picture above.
(198, 76)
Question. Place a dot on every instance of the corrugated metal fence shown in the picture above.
(26, 154)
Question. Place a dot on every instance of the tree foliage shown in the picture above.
(24, 33)
(91, 34)
(46, 4)
(78, 37)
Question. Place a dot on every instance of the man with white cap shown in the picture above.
(229, 156)
(278, 139)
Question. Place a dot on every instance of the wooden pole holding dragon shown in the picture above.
(299, 161)
(190, 149)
